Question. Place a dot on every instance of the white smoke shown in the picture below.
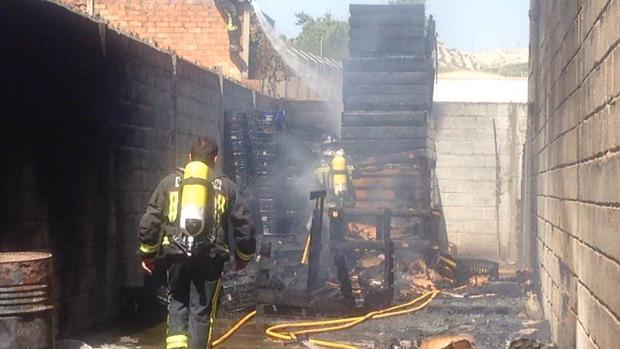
(315, 82)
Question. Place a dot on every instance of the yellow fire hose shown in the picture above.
(346, 323)
(332, 325)
(234, 329)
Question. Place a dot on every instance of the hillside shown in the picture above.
(505, 62)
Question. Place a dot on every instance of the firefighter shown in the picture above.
(187, 221)
(233, 23)
(334, 174)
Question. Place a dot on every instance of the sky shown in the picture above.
(467, 25)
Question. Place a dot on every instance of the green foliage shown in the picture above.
(335, 35)
(406, 2)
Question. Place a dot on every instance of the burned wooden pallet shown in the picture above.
(379, 47)
(386, 132)
(361, 148)
(402, 118)
(344, 248)
(389, 21)
(376, 89)
(359, 104)
(318, 298)
(383, 10)
(388, 78)
(387, 64)
(386, 32)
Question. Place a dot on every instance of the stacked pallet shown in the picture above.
(263, 131)
(387, 92)
(237, 139)
(251, 142)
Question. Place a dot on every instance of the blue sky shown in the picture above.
(468, 25)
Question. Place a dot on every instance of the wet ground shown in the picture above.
(494, 321)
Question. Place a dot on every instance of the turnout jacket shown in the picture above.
(157, 226)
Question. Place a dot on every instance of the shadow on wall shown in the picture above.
(58, 190)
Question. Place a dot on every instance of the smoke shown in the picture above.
(299, 157)
(315, 82)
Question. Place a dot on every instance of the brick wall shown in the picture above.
(573, 165)
(92, 119)
(195, 30)
(479, 155)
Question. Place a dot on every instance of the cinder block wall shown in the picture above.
(195, 30)
(92, 119)
(479, 159)
(574, 168)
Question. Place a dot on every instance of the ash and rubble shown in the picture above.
(495, 315)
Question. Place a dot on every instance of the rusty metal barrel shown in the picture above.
(26, 309)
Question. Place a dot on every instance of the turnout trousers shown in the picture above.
(194, 284)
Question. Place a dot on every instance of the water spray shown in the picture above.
(320, 86)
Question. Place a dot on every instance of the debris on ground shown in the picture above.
(72, 344)
(533, 308)
(478, 280)
(458, 341)
(124, 342)
(529, 344)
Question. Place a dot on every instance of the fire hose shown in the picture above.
(315, 327)
(234, 329)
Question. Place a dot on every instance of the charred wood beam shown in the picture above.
(387, 78)
(314, 269)
(393, 212)
(336, 225)
(342, 272)
(387, 132)
(407, 90)
(360, 104)
(387, 65)
(374, 245)
(380, 47)
(415, 23)
(383, 119)
(387, 32)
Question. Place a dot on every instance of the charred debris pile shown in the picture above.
(387, 247)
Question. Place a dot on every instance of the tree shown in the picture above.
(333, 33)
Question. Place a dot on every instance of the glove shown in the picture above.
(148, 265)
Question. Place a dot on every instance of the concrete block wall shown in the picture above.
(573, 165)
(479, 155)
(92, 120)
(195, 30)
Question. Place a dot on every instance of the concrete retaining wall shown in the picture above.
(479, 151)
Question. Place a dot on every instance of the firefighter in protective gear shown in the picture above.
(191, 217)
(335, 174)
(232, 22)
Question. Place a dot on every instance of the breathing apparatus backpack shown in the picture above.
(196, 216)
(339, 174)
